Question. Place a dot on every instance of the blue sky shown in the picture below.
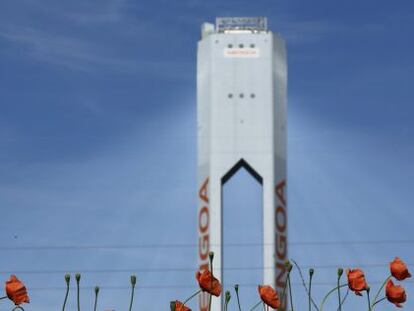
(98, 143)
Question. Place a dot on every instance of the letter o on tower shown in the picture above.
(203, 219)
(280, 219)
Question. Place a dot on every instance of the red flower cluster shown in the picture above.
(356, 281)
(399, 269)
(179, 306)
(394, 293)
(269, 296)
(208, 283)
(16, 291)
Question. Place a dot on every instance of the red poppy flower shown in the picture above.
(395, 293)
(208, 283)
(399, 269)
(356, 281)
(16, 291)
(269, 296)
(180, 307)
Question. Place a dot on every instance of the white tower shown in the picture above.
(241, 108)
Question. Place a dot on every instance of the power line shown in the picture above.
(184, 269)
(181, 286)
(192, 245)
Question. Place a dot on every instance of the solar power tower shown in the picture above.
(241, 118)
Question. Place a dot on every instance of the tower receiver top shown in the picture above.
(241, 24)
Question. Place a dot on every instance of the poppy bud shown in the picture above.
(288, 265)
(172, 305)
(77, 277)
(211, 255)
(96, 290)
(227, 296)
(67, 279)
(311, 271)
(133, 280)
(340, 271)
(236, 287)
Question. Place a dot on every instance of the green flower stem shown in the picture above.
(227, 300)
(78, 277)
(379, 291)
(211, 256)
(3, 297)
(343, 299)
(378, 301)
(310, 289)
(67, 279)
(339, 297)
(133, 282)
(329, 293)
(17, 307)
(304, 284)
(172, 305)
(340, 271)
(236, 289)
(132, 298)
(282, 298)
(191, 297)
(289, 267)
(256, 305)
(96, 298)
(369, 302)
(290, 292)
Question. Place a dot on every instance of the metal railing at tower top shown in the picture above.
(253, 24)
